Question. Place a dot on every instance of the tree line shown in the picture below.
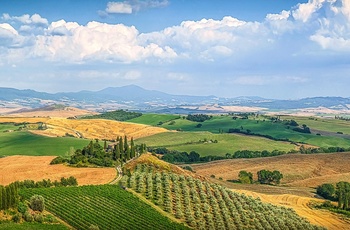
(264, 177)
(118, 115)
(9, 196)
(103, 154)
(340, 193)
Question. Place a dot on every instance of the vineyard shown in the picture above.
(105, 206)
(203, 205)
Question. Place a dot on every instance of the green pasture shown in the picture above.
(153, 119)
(266, 127)
(26, 143)
(227, 143)
(325, 124)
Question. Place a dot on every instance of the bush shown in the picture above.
(17, 217)
(187, 167)
(37, 203)
(94, 227)
(327, 191)
(58, 160)
(39, 218)
(22, 208)
(28, 217)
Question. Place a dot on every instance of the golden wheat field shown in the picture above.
(36, 168)
(90, 129)
(301, 205)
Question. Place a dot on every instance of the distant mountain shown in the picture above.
(135, 97)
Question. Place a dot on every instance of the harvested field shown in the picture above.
(53, 112)
(20, 168)
(299, 170)
(301, 206)
(90, 129)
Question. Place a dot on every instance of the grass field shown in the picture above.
(154, 119)
(227, 143)
(330, 125)
(32, 226)
(107, 206)
(26, 143)
(276, 130)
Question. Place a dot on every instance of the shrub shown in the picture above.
(17, 217)
(37, 203)
(58, 160)
(22, 208)
(39, 218)
(327, 191)
(28, 217)
(94, 227)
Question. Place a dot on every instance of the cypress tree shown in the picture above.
(117, 153)
(121, 146)
(1, 204)
(105, 145)
(126, 146)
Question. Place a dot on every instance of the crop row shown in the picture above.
(107, 206)
(203, 205)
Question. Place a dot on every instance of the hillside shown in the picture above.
(299, 170)
(203, 205)
(90, 129)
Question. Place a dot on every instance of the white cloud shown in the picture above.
(34, 19)
(119, 8)
(131, 6)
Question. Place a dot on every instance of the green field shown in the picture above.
(107, 206)
(32, 226)
(266, 127)
(329, 125)
(26, 143)
(227, 143)
(154, 119)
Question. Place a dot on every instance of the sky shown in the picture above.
(285, 49)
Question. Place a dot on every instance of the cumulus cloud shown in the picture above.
(34, 19)
(132, 6)
(322, 22)
(119, 8)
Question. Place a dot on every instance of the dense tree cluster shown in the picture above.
(198, 117)
(268, 177)
(303, 129)
(245, 177)
(104, 155)
(173, 156)
(118, 115)
(8, 196)
(340, 192)
(70, 181)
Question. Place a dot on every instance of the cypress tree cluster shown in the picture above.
(9, 196)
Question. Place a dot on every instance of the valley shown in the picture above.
(29, 144)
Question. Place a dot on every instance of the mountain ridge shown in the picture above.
(136, 97)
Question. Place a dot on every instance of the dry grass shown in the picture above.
(301, 206)
(63, 113)
(298, 170)
(37, 168)
(90, 129)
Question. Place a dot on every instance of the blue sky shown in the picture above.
(275, 49)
